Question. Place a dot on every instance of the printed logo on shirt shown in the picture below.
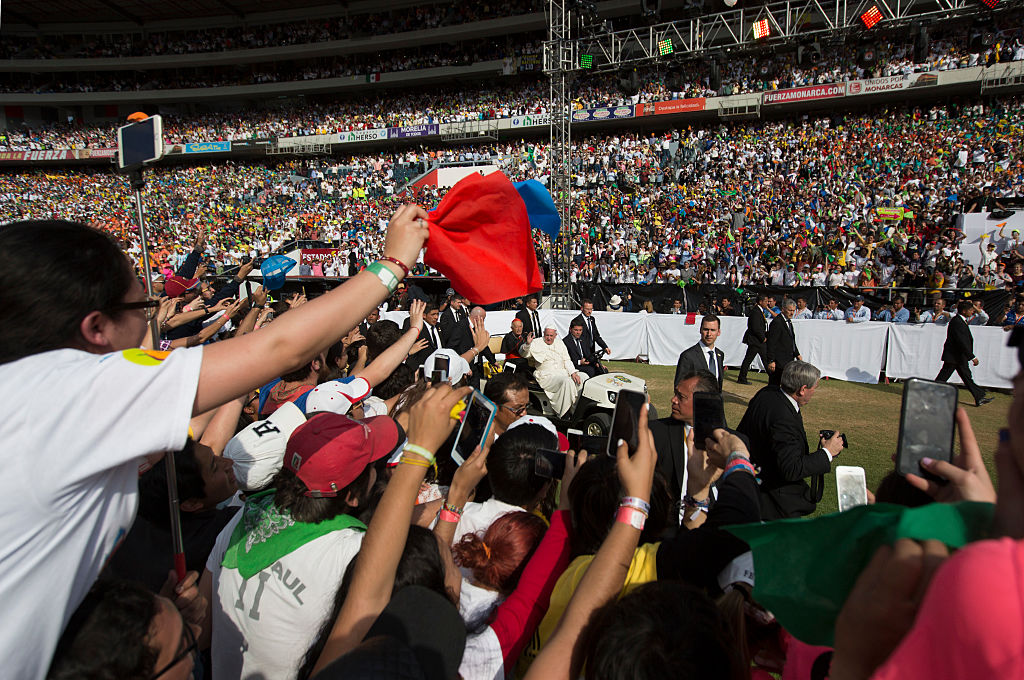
(144, 357)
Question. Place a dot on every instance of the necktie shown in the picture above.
(434, 337)
(579, 348)
(536, 324)
(713, 362)
(791, 331)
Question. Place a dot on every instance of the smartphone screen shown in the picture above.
(475, 427)
(140, 142)
(625, 421)
(549, 464)
(926, 425)
(440, 372)
(708, 416)
(508, 367)
(851, 487)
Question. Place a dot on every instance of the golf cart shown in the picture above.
(592, 412)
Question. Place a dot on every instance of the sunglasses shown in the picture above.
(150, 307)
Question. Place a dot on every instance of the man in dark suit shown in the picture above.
(959, 350)
(472, 346)
(780, 346)
(778, 443)
(452, 315)
(530, 318)
(371, 318)
(754, 338)
(430, 334)
(577, 352)
(673, 439)
(704, 356)
(591, 338)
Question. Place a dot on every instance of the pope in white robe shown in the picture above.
(554, 370)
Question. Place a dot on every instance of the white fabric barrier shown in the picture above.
(846, 351)
(916, 352)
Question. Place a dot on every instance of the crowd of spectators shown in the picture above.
(201, 40)
(774, 203)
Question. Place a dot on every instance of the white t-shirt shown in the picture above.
(263, 626)
(76, 428)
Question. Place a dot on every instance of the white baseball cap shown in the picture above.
(258, 450)
(337, 396)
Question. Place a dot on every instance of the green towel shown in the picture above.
(805, 568)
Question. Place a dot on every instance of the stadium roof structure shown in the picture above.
(34, 13)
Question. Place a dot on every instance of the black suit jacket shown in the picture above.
(757, 329)
(959, 346)
(570, 346)
(590, 342)
(446, 322)
(694, 359)
(780, 346)
(461, 340)
(421, 356)
(778, 443)
(526, 316)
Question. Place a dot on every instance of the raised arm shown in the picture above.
(231, 368)
(388, 360)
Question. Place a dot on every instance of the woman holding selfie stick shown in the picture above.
(86, 406)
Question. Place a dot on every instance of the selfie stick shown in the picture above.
(177, 543)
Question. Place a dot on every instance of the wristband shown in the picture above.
(636, 503)
(455, 510)
(396, 261)
(449, 516)
(418, 462)
(739, 465)
(419, 451)
(385, 275)
(632, 517)
(692, 502)
(736, 455)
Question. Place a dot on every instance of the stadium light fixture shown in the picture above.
(665, 47)
(586, 61)
(762, 29)
(871, 17)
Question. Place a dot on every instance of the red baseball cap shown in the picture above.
(330, 450)
(178, 285)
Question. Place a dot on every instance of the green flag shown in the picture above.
(805, 568)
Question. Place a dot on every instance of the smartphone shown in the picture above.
(140, 143)
(508, 367)
(851, 487)
(549, 464)
(440, 372)
(625, 421)
(926, 425)
(708, 416)
(476, 425)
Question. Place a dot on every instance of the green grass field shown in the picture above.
(868, 414)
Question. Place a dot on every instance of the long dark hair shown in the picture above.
(52, 274)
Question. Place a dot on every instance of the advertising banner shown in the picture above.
(802, 94)
(208, 147)
(86, 154)
(414, 131)
(670, 107)
(901, 82)
(313, 256)
(364, 135)
(50, 155)
(603, 113)
(531, 119)
(890, 213)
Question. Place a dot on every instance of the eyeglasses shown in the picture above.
(191, 648)
(150, 307)
(521, 411)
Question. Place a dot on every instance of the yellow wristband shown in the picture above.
(409, 460)
(419, 451)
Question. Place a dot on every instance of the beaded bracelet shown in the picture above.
(632, 517)
(396, 261)
(419, 451)
(452, 508)
(692, 502)
(636, 503)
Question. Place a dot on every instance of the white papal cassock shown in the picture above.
(554, 373)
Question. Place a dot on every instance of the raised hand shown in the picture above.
(407, 232)
(416, 310)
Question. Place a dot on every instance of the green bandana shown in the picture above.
(265, 534)
(805, 568)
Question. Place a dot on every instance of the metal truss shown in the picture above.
(788, 21)
(559, 61)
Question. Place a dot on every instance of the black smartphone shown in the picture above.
(708, 416)
(926, 425)
(549, 464)
(625, 421)
(476, 425)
